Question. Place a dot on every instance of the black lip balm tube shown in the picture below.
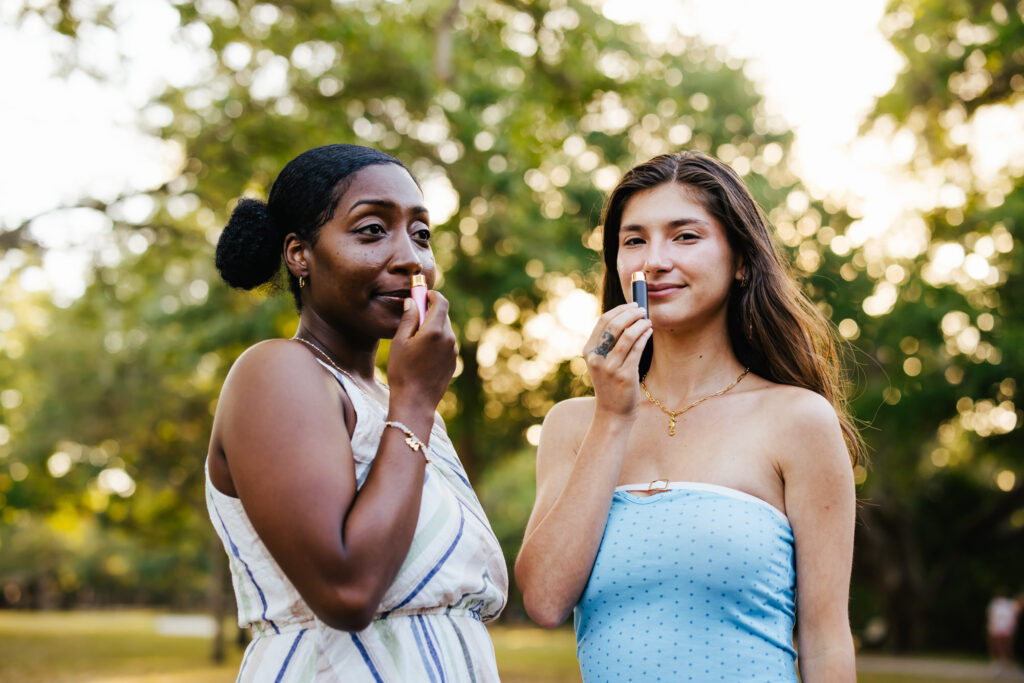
(639, 284)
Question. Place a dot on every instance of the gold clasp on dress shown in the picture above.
(661, 488)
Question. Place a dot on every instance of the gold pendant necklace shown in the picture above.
(673, 414)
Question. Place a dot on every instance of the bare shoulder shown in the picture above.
(276, 395)
(572, 409)
(281, 377)
(569, 418)
(564, 427)
(277, 362)
(806, 423)
(269, 356)
(800, 407)
(563, 431)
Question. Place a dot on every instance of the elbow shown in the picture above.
(346, 609)
(538, 598)
(547, 621)
(542, 611)
(346, 620)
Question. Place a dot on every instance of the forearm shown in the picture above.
(833, 662)
(378, 528)
(825, 651)
(557, 555)
(380, 524)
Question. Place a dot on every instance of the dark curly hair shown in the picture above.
(302, 200)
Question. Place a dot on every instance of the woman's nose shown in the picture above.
(405, 258)
(656, 257)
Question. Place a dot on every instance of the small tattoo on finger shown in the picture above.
(606, 344)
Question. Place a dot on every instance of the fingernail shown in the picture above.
(408, 304)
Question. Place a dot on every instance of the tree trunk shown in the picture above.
(443, 44)
(217, 596)
(888, 551)
(469, 393)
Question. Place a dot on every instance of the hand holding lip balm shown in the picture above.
(639, 284)
(418, 292)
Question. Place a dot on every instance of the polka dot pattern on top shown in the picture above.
(694, 584)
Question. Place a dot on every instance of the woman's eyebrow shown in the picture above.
(682, 222)
(676, 223)
(384, 204)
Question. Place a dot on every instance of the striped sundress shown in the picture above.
(430, 624)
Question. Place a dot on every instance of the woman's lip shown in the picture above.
(395, 294)
(393, 299)
(659, 291)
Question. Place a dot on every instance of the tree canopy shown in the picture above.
(943, 513)
(516, 118)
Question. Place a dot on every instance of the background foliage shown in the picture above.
(527, 113)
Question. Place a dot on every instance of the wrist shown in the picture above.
(616, 417)
(416, 416)
(414, 442)
(613, 421)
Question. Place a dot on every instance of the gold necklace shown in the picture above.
(320, 353)
(673, 414)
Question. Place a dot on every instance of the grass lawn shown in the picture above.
(125, 646)
(104, 646)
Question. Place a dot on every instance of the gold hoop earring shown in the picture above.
(302, 281)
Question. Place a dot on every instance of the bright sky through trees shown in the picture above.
(820, 66)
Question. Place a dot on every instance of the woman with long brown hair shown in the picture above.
(701, 503)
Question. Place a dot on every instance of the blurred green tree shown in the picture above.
(517, 115)
(943, 512)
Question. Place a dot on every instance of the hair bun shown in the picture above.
(249, 249)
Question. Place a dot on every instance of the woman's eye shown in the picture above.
(687, 236)
(372, 229)
(422, 234)
(632, 241)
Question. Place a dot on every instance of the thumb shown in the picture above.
(410, 319)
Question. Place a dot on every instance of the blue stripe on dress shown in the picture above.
(423, 655)
(430, 645)
(234, 550)
(463, 645)
(483, 522)
(451, 466)
(284, 665)
(435, 569)
(366, 658)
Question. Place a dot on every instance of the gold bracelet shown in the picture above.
(411, 440)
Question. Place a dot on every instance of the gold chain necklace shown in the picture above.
(673, 414)
(320, 353)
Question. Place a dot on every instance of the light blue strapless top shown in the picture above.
(694, 584)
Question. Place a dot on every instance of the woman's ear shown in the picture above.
(741, 274)
(296, 255)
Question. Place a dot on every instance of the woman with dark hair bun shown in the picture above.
(358, 549)
(702, 500)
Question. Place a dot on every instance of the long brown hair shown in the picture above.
(774, 328)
